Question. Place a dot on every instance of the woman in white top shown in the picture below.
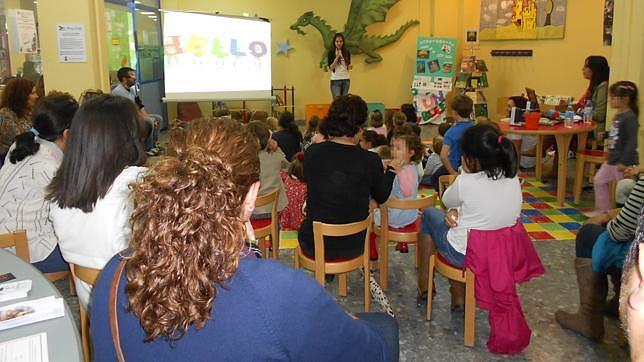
(30, 165)
(339, 61)
(485, 196)
(90, 191)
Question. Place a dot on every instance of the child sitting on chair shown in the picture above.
(293, 214)
(485, 196)
(406, 146)
(433, 161)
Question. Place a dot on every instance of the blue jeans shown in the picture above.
(340, 87)
(433, 224)
(388, 326)
(153, 130)
(53, 263)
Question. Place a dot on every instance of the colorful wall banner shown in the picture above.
(433, 75)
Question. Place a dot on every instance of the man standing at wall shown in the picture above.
(127, 88)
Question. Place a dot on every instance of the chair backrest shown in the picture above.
(269, 198)
(88, 275)
(443, 183)
(320, 230)
(17, 239)
(409, 204)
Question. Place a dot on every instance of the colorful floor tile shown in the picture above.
(543, 219)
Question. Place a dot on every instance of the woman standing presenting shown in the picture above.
(339, 60)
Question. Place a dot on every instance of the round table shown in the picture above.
(563, 135)
(63, 341)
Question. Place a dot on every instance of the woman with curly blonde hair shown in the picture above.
(185, 289)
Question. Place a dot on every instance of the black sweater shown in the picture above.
(340, 180)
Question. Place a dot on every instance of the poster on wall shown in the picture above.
(433, 74)
(71, 43)
(522, 19)
(23, 27)
(609, 7)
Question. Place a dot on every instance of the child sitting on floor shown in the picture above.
(622, 141)
(376, 123)
(295, 184)
(271, 161)
(406, 146)
(370, 140)
(433, 161)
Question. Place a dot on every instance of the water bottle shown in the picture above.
(588, 111)
(570, 116)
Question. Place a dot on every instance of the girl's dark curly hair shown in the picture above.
(187, 230)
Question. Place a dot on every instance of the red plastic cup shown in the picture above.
(532, 120)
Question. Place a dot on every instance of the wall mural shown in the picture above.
(361, 14)
(522, 19)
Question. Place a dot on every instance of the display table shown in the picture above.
(562, 136)
(63, 341)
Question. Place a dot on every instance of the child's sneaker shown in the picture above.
(404, 248)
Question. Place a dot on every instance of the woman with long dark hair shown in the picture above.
(339, 61)
(288, 137)
(90, 193)
(596, 70)
(32, 162)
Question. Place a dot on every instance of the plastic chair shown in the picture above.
(89, 276)
(18, 239)
(407, 234)
(595, 158)
(320, 266)
(449, 271)
(268, 226)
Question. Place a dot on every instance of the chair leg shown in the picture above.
(579, 178)
(612, 188)
(367, 287)
(275, 240)
(417, 254)
(384, 261)
(72, 285)
(430, 285)
(342, 282)
(84, 334)
(470, 309)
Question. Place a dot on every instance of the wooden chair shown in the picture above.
(449, 271)
(321, 266)
(89, 276)
(407, 234)
(443, 183)
(268, 226)
(18, 239)
(594, 158)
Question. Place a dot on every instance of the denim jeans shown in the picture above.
(340, 87)
(153, 130)
(433, 224)
(388, 326)
(53, 263)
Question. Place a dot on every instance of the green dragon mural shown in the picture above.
(361, 14)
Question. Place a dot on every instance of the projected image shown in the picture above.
(216, 57)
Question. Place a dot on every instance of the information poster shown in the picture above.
(72, 47)
(23, 26)
(433, 75)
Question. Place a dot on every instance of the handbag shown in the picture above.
(114, 323)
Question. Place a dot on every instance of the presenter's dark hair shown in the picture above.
(599, 67)
(52, 116)
(15, 95)
(485, 149)
(123, 73)
(103, 140)
(345, 117)
(520, 101)
(287, 122)
(345, 52)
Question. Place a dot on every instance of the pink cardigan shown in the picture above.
(499, 259)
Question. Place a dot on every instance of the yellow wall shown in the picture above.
(73, 77)
(388, 82)
(555, 67)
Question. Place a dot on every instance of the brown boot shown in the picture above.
(457, 290)
(589, 320)
(611, 307)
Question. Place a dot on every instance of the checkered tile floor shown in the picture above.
(543, 219)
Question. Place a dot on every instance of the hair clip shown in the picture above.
(628, 87)
(500, 139)
(300, 156)
(34, 131)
